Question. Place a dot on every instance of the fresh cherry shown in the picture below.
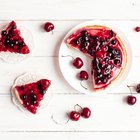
(74, 115)
(131, 100)
(138, 88)
(83, 75)
(48, 26)
(137, 29)
(86, 112)
(78, 63)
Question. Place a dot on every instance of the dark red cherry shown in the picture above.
(25, 50)
(78, 63)
(137, 29)
(86, 112)
(131, 100)
(74, 115)
(138, 88)
(48, 26)
(83, 75)
(4, 32)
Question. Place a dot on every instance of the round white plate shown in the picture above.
(70, 73)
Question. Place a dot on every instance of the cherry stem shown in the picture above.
(52, 32)
(68, 56)
(56, 122)
(83, 85)
(130, 88)
(77, 106)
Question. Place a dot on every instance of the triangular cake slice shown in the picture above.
(12, 41)
(30, 95)
(106, 50)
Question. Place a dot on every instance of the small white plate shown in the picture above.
(70, 72)
(29, 78)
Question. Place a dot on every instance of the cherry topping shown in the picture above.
(78, 63)
(48, 26)
(111, 33)
(24, 50)
(113, 42)
(3, 32)
(86, 112)
(131, 100)
(137, 29)
(74, 115)
(23, 97)
(12, 41)
(83, 75)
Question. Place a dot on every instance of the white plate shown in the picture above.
(70, 72)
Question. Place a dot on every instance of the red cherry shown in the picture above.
(137, 29)
(25, 50)
(78, 63)
(138, 88)
(86, 112)
(74, 115)
(83, 75)
(131, 100)
(48, 26)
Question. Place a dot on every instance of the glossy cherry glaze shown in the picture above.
(31, 94)
(12, 41)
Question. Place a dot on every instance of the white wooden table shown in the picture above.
(111, 117)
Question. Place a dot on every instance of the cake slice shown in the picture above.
(30, 95)
(12, 41)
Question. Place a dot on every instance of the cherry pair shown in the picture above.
(131, 99)
(78, 63)
(84, 112)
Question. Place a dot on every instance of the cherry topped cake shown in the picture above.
(30, 95)
(106, 50)
(12, 41)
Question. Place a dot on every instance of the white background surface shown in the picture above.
(111, 117)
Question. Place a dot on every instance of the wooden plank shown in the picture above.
(71, 135)
(109, 113)
(70, 9)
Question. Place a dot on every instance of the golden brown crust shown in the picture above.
(16, 95)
